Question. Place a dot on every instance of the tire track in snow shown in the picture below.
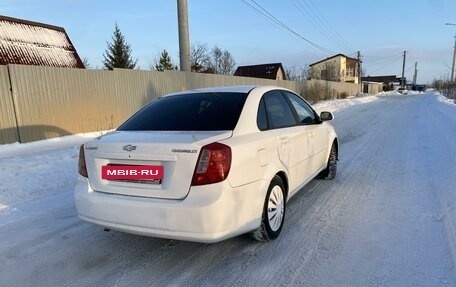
(330, 225)
(389, 239)
(329, 233)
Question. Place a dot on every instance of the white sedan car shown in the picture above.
(206, 165)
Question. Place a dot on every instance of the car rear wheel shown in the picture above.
(331, 167)
(273, 212)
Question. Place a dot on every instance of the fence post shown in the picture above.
(13, 98)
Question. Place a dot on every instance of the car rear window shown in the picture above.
(189, 112)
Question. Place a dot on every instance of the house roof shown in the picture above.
(329, 58)
(265, 71)
(31, 43)
(381, 79)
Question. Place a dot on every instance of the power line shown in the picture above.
(272, 18)
(388, 63)
(383, 62)
(315, 24)
(316, 17)
(382, 58)
(409, 68)
(331, 28)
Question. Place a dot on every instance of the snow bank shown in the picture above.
(444, 99)
(335, 105)
(37, 169)
(14, 149)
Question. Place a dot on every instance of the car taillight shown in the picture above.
(213, 164)
(82, 168)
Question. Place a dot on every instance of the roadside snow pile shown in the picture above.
(445, 100)
(448, 200)
(335, 105)
(8, 150)
(389, 93)
(40, 168)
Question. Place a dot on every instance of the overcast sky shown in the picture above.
(380, 30)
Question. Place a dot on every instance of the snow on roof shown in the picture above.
(31, 43)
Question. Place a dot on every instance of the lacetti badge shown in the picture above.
(184, 150)
(132, 172)
(129, 147)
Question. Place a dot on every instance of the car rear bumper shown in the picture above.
(208, 214)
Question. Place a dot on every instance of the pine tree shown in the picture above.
(118, 53)
(165, 63)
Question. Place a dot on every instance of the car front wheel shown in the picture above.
(273, 212)
(331, 166)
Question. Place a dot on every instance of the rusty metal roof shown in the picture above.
(31, 43)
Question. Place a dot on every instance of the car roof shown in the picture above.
(227, 89)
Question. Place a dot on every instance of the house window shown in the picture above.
(323, 74)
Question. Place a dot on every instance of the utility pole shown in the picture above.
(184, 42)
(415, 74)
(359, 72)
(454, 54)
(403, 71)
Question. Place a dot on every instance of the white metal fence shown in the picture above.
(45, 102)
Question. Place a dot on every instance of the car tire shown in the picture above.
(331, 168)
(273, 212)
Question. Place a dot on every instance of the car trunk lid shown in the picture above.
(176, 152)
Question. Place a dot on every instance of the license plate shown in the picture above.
(132, 172)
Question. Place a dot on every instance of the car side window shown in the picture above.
(278, 110)
(262, 119)
(305, 113)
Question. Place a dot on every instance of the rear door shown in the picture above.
(291, 138)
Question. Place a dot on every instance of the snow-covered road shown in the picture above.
(388, 219)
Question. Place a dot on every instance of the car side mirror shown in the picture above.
(326, 116)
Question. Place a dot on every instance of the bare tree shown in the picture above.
(215, 58)
(307, 72)
(199, 57)
(292, 73)
(216, 61)
(221, 61)
(227, 63)
(295, 73)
